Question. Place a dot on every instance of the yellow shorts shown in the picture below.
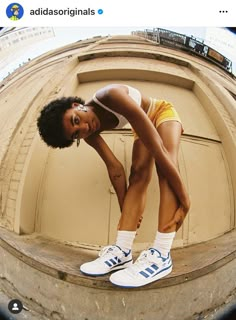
(160, 111)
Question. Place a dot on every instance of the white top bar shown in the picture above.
(121, 13)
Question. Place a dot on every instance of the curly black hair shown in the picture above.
(50, 124)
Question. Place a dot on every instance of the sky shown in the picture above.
(219, 38)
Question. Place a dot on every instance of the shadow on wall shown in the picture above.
(5, 316)
(230, 314)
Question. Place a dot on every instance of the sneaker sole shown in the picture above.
(159, 276)
(123, 266)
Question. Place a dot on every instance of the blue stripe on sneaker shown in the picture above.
(117, 260)
(144, 274)
(120, 264)
(149, 270)
(162, 270)
(108, 263)
(113, 262)
(154, 267)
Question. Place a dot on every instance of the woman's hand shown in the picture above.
(139, 222)
(179, 217)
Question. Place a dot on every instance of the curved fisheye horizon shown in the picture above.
(223, 40)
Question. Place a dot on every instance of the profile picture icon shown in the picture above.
(15, 306)
(14, 11)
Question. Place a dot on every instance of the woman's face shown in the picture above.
(80, 122)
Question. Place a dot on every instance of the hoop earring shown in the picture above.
(82, 108)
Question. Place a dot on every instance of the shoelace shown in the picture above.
(145, 257)
(107, 250)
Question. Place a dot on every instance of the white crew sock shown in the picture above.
(125, 239)
(163, 242)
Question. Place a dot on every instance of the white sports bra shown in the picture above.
(134, 94)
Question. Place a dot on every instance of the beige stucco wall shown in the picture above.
(49, 191)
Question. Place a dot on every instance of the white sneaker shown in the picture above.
(149, 267)
(110, 258)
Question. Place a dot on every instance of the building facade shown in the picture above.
(48, 192)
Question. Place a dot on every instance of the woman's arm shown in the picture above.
(118, 100)
(114, 167)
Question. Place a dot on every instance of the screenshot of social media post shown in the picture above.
(117, 161)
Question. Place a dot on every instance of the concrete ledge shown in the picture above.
(45, 275)
(131, 52)
(63, 261)
(128, 74)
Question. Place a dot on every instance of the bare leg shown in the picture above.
(157, 257)
(140, 176)
(170, 133)
(141, 171)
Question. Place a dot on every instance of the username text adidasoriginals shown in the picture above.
(61, 12)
